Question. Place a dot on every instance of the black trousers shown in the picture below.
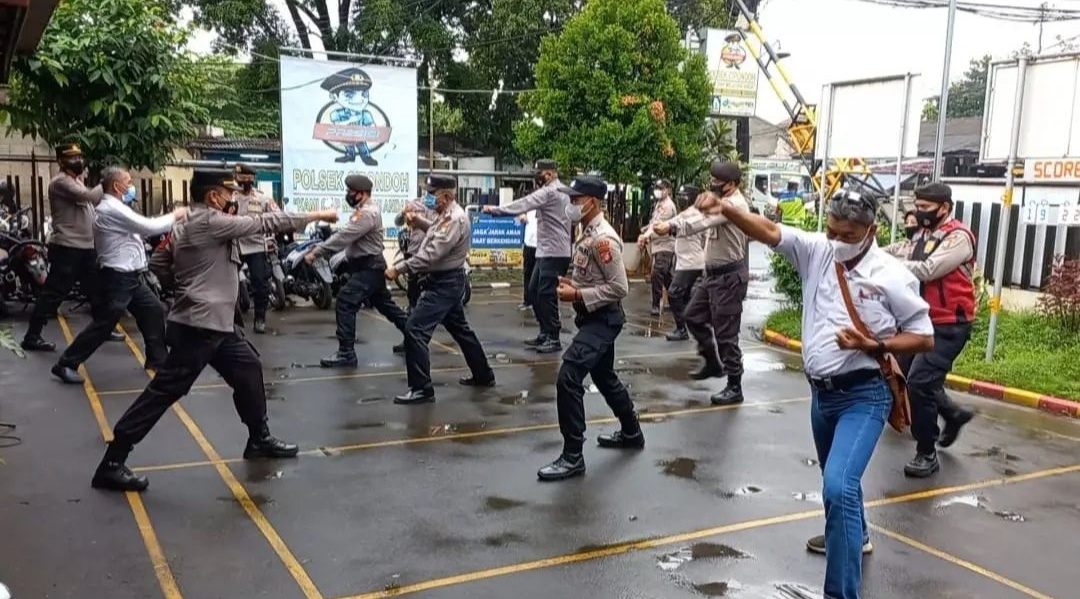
(714, 318)
(230, 354)
(528, 266)
(67, 266)
(662, 265)
(260, 275)
(118, 292)
(365, 286)
(682, 286)
(926, 384)
(591, 353)
(545, 281)
(440, 302)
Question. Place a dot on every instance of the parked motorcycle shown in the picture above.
(402, 281)
(278, 299)
(24, 267)
(310, 281)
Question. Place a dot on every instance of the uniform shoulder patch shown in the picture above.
(603, 250)
(953, 239)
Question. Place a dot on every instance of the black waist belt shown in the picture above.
(844, 380)
(372, 262)
(440, 273)
(726, 269)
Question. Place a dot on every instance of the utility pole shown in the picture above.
(943, 101)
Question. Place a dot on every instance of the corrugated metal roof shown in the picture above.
(212, 144)
(961, 135)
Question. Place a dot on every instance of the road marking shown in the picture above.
(370, 375)
(239, 492)
(957, 561)
(621, 548)
(379, 317)
(162, 571)
(322, 451)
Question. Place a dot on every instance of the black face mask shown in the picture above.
(928, 218)
(351, 199)
(540, 179)
(246, 185)
(719, 189)
(75, 167)
(910, 231)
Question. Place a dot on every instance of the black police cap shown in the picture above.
(351, 78)
(203, 178)
(243, 169)
(690, 191)
(725, 171)
(593, 187)
(546, 164)
(68, 150)
(437, 182)
(934, 192)
(358, 183)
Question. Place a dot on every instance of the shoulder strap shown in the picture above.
(846, 292)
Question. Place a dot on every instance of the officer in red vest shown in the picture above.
(941, 254)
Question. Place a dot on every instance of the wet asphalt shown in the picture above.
(441, 500)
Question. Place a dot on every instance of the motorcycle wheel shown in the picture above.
(324, 298)
(277, 295)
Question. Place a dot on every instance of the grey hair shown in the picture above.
(854, 207)
(110, 176)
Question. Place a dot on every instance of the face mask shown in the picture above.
(719, 189)
(658, 194)
(911, 231)
(540, 180)
(928, 218)
(846, 252)
(246, 185)
(129, 195)
(351, 199)
(429, 201)
(76, 167)
(573, 212)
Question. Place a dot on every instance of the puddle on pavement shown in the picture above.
(276, 397)
(811, 497)
(776, 410)
(979, 502)
(809, 462)
(256, 498)
(356, 426)
(994, 452)
(367, 400)
(680, 467)
(715, 589)
(633, 370)
(520, 399)
(741, 491)
(457, 428)
(329, 451)
(500, 504)
(499, 358)
(503, 539)
(755, 362)
(698, 551)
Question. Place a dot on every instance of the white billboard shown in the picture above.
(1050, 111)
(864, 119)
(338, 119)
(733, 72)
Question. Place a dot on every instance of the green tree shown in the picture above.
(113, 76)
(617, 92)
(966, 96)
(698, 14)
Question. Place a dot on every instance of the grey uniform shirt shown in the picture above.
(361, 236)
(253, 204)
(553, 227)
(689, 249)
(71, 205)
(950, 252)
(725, 242)
(663, 211)
(446, 244)
(422, 218)
(206, 262)
(885, 294)
(598, 270)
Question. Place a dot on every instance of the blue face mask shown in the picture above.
(429, 201)
(129, 195)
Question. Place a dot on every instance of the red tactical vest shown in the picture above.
(952, 297)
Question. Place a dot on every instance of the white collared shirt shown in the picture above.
(886, 296)
(530, 229)
(119, 233)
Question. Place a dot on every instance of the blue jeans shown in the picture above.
(846, 425)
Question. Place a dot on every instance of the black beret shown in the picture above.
(593, 187)
(69, 150)
(546, 164)
(691, 191)
(358, 183)
(352, 78)
(243, 169)
(725, 171)
(202, 178)
(437, 182)
(934, 192)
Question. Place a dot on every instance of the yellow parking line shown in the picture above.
(957, 561)
(307, 586)
(162, 571)
(621, 548)
(649, 417)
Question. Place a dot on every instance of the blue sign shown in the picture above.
(497, 232)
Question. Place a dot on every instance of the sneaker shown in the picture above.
(817, 545)
(922, 466)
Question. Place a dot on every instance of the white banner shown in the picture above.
(733, 71)
(338, 119)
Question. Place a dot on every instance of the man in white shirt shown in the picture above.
(851, 400)
(122, 262)
(529, 259)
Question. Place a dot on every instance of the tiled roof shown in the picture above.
(217, 144)
(961, 135)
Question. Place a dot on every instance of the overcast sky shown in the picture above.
(837, 40)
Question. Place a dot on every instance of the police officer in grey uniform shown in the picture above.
(362, 240)
(661, 247)
(201, 331)
(253, 249)
(714, 314)
(596, 287)
(440, 262)
(689, 263)
(552, 249)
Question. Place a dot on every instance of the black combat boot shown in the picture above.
(113, 475)
(678, 335)
(731, 394)
(34, 342)
(262, 445)
(260, 324)
(339, 360)
(67, 374)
